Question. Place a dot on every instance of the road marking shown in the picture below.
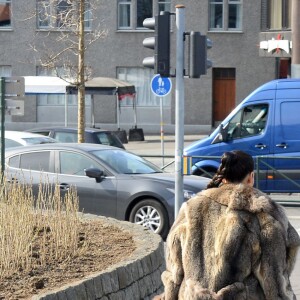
(294, 217)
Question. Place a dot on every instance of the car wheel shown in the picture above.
(151, 214)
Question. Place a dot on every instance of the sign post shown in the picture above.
(12, 91)
(161, 86)
(179, 106)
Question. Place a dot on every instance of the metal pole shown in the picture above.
(179, 106)
(92, 109)
(66, 109)
(295, 67)
(135, 111)
(162, 131)
(118, 117)
(2, 98)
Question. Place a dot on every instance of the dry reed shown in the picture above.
(36, 230)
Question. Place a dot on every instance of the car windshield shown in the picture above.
(126, 163)
(39, 140)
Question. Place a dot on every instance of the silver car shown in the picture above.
(110, 181)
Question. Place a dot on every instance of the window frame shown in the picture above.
(123, 3)
(24, 156)
(156, 7)
(66, 155)
(138, 2)
(225, 15)
(9, 3)
(285, 16)
(53, 11)
(252, 128)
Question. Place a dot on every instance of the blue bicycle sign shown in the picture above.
(161, 86)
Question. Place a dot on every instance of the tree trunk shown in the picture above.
(81, 81)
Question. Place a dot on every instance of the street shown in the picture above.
(153, 146)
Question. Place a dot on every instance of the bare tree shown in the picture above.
(62, 47)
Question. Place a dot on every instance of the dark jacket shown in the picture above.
(231, 242)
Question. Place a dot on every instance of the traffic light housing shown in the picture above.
(160, 62)
(198, 62)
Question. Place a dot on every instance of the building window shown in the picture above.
(61, 14)
(141, 78)
(5, 71)
(132, 13)
(276, 14)
(164, 5)
(144, 10)
(5, 13)
(225, 15)
(279, 14)
(124, 13)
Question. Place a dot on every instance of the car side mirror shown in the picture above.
(224, 133)
(94, 173)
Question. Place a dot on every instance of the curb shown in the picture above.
(138, 277)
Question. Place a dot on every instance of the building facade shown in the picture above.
(276, 36)
(240, 63)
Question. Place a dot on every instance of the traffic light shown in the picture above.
(198, 62)
(160, 62)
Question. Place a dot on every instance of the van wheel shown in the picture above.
(152, 215)
(205, 172)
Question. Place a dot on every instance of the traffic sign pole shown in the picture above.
(162, 131)
(161, 86)
(179, 107)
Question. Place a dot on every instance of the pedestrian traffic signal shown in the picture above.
(160, 62)
(198, 62)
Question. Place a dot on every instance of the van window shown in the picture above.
(249, 121)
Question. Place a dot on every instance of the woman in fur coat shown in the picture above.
(230, 241)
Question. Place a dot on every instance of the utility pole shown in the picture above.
(295, 67)
(179, 106)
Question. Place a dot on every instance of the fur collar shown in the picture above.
(246, 198)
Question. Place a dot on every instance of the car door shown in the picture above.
(249, 130)
(287, 143)
(94, 197)
(32, 168)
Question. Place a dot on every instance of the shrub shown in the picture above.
(36, 230)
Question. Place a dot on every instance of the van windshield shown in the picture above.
(249, 121)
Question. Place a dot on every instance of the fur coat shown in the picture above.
(231, 242)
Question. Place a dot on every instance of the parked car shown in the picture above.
(92, 135)
(267, 126)
(21, 138)
(109, 181)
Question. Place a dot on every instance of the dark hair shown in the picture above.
(235, 166)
